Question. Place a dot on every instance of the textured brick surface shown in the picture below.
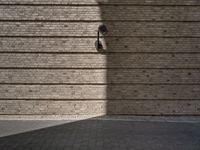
(100, 76)
(99, 107)
(147, 13)
(149, 66)
(137, 2)
(111, 44)
(85, 29)
(119, 92)
(94, 61)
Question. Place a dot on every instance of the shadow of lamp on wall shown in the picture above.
(103, 30)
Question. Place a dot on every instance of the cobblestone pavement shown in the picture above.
(100, 135)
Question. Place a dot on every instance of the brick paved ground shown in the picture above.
(100, 135)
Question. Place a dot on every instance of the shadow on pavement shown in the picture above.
(99, 134)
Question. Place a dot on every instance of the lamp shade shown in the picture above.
(103, 29)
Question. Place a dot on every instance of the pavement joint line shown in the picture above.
(152, 120)
(177, 119)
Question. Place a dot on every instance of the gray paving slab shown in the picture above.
(100, 134)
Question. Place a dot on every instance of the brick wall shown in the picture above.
(49, 65)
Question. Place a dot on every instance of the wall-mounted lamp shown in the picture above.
(103, 30)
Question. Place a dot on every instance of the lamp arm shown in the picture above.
(98, 44)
